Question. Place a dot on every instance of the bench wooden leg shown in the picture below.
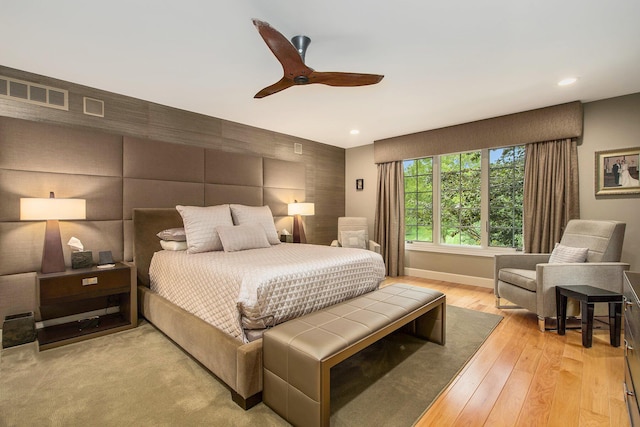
(432, 325)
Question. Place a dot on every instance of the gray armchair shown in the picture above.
(354, 232)
(529, 280)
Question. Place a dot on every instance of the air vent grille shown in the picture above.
(19, 90)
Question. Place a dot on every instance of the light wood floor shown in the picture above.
(523, 377)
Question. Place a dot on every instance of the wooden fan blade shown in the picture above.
(344, 79)
(284, 51)
(283, 84)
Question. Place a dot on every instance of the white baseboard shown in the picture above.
(450, 277)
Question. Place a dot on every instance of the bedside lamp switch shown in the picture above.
(90, 281)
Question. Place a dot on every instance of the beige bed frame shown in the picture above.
(236, 364)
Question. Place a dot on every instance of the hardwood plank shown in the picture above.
(521, 376)
(566, 412)
(479, 406)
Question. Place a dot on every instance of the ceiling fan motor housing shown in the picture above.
(301, 43)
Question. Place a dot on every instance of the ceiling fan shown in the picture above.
(291, 56)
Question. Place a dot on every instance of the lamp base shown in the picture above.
(298, 230)
(52, 255)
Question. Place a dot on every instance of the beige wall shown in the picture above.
(608, 124)
(611, 124)
(361, 202)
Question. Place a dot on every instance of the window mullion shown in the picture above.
(436, 200)
(484, 199)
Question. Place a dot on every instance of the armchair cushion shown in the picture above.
(353, 239)
(562, 253)
(521, 278)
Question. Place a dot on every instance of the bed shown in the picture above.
(235, 358)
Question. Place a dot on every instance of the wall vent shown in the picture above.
(47, 96)
(93, 107)
(297, 148)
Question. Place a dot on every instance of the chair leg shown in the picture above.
(542, 324)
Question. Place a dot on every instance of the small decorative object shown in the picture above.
(79, 257)
(285, 236)
(105, 259)
(82, 259)
(617, 171)
(359, 184)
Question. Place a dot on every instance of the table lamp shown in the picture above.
(52, 210)
(297, 210)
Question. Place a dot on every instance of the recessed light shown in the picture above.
(354, 131)
(567, 81)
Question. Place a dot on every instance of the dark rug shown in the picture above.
(139, 377)
(394, 381)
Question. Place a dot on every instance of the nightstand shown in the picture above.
(76, 305)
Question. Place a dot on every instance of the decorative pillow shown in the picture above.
(256, 215)
(171, 245)
(241, 237)
(200, 226)
(563, 253)
(353, 239)
(173, 234)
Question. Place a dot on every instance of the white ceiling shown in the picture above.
(445, 62)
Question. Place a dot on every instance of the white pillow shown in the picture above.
(172, 245)
(200, 226)
(563, 253)
(256, 215)
(241, 237)
(353, 239)
(174, 234)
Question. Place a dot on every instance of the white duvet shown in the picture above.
(259, 288)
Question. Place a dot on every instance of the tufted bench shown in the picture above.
(298, 354)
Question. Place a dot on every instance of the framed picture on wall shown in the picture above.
(359, 184)
(617, 171)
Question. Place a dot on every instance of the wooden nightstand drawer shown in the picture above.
(79, 304)
(86, 283)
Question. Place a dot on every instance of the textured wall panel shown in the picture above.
(149, 159)
(102, 193)
(233, 168)
(41, 147)
(218, 194)
(279, 198)
(284, 174)
(146, 193)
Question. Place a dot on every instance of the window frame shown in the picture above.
(438, 246)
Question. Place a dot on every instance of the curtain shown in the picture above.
(389, 219)
(551, 193)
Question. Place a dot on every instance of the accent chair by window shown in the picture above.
(353, 232)
(588, 254)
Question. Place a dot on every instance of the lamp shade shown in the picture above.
(303, 209)
(35, 209)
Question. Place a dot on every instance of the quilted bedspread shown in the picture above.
(259, 288)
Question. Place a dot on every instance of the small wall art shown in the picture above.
(617, 171)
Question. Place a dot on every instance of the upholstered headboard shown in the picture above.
(146, 224)
(116, 174)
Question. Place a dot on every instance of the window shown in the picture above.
(460, 189)
(418, 199)
(506, 185)
(449, 198)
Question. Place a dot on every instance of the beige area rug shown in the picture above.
(141, 378)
